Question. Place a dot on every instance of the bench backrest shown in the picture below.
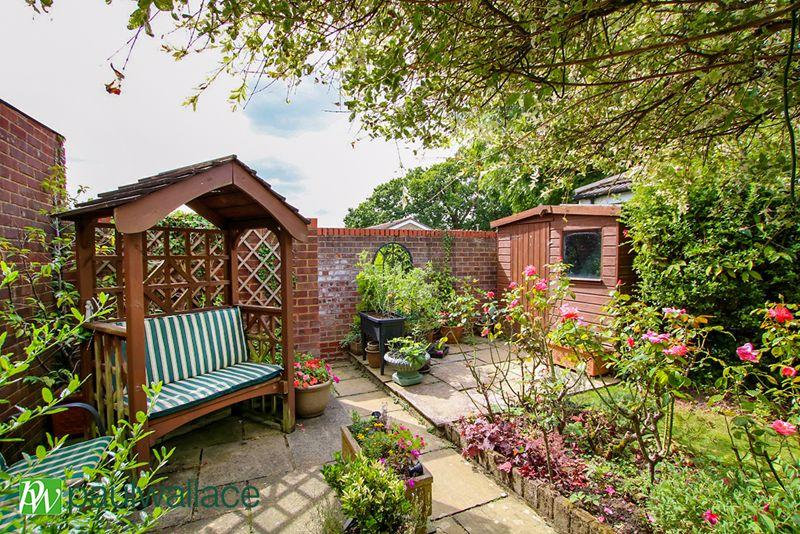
(191, 344)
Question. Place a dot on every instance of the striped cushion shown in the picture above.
(177, 396)
(192, 344)
(74, 457)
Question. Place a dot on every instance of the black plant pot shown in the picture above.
(381, 329)
(438, 353)
(415, 470)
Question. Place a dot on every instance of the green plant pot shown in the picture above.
(406, 373)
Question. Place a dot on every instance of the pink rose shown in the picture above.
(568, 312)
(711, 517)
(676, 350)
(652, 337)
(529, 271)
(514, 303)
(674, 311)
(781, 314)
(540, 285)
(747, 353)
(783, 428)
(512, 285)
(789, 372)
(490, 295)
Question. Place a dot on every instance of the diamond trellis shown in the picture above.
(259, 268)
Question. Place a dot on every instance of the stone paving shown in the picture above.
(285, 468)
(448, 392)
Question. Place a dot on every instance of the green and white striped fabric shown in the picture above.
(72, 457)
(183, 394)
(193, 344)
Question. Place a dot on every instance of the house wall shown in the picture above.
(473, 256)
(538, 241)
(28, 151)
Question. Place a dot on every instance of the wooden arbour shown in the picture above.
(150, 270)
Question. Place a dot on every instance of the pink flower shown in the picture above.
(652, 337)
(781, 314)
(540, 285)
(789, 372)
(650, 517)
(747, 353)
(415, 453)
(610, 490)
(410, 483)
(505, 467)
(711, 517)
(674, 311)
(529, 271)
(514, 303)
(676, 350)
(485, 331)
(601, 519)
(783, 428)
(568, 312)
(490, 295)
(607, 510)
(512, 285)
(335, 379)
(486, 309)
(631, 342)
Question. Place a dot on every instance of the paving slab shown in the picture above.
(457, 485)
(347, 373)
(366, 403)
(438, 401)
(459, 375)
(447, 525)
(233, 462)
(355, 386)
(290, 503)
(315, 440)
(237, 522)
(376, 372)
(509, 514)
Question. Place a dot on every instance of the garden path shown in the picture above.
(286, 471)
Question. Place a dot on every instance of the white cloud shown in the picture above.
(54, 68)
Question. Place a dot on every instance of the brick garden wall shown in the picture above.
(28, 151)
(473, 255)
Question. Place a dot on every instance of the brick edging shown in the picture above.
(563, 515)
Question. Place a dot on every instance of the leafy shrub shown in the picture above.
(372, 496)
(717, 236)
(395, 446)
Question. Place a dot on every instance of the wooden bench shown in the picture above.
(200, 358)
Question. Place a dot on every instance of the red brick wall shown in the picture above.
(306, 295)
(28, 150)
(473, 255)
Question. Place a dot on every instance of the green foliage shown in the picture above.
(395, 446)
(448, 195)
(716, 236)
(371, 495)
(414, 352)
(185, 219)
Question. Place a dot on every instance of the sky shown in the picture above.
(54, 67)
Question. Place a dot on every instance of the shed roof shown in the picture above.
(559, 209)
(618, 183)
(224, 190)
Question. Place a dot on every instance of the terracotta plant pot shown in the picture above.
(453, 333)
(422, 492)
(373, 355)
(355, 348)
(312, 401)
(595, 366)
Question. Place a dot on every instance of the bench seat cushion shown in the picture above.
(183, 394)
(73, 457)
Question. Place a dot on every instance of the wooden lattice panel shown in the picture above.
(259, 269)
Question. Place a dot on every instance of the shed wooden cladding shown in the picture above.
(535, 237)
(151, 271)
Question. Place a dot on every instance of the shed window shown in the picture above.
(583, 252)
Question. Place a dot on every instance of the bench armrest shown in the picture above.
(108, 328)
(89, 408)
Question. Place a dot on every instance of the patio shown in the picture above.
(286, 470)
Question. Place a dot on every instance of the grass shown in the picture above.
(698, 430)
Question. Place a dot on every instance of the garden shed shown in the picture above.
(589, 237)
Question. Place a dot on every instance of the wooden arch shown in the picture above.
(232, 197)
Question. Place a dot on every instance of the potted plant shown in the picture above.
(352, 340)
(396, 448)
(459, 314)
(407, 356)
(313, 379)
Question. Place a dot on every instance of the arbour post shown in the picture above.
(231, 248)
(287, 328)
(84, 264)
(133, 267)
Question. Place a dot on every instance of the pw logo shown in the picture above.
(41, 496)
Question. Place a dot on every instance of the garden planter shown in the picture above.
(595, 365)
(406, 373)
(355, 348)
(72, 421)
(422, 491)
(373, 355)
(380, 328)
(312, 401)
(453, 333)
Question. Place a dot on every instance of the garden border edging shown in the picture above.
(563, 515)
